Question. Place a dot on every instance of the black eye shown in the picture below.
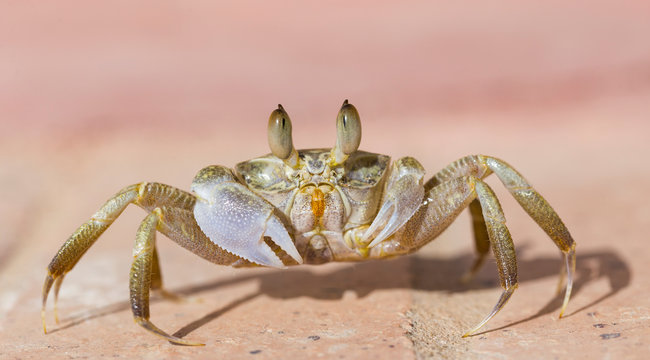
(279, 133)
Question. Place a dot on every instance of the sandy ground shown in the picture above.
(94, 98)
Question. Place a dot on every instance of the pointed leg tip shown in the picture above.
(473, 331)
(182, 342)
(43, 321)
(562, 311)
(505, 295)
(570, 269)
(178, 341)
(43, 317)
(56, 314)
(563, 308)
(149, 326)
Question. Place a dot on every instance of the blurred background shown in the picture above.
(95, 96)
(76, 67)
(431, 79)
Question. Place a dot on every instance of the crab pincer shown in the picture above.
(237, 219)
(404, 194)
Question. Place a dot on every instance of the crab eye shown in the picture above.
(279, 133)
(348, 129)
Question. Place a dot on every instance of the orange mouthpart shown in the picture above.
(318, 203)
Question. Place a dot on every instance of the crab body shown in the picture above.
(315, 206)
(326, 206)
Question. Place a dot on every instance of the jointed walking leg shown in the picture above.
(481, 239)
(442, 204)
(81, 240)
(530, 200)
(141, 276)
(170, 212)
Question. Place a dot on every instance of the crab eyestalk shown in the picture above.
(279, 134)
(348, 133)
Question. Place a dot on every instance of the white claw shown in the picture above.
(276, 231)
(403, 198)
(237, 220)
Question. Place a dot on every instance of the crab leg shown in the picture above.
(481, 239)
(442, 205)
(81, 240)
(530, 200)
(179, 225)
(533, 203)
(141, 276)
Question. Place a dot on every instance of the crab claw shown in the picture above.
(236, 219)
(404, 193)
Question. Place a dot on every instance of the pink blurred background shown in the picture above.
(194, 82)
(485, 77)
(69, 66)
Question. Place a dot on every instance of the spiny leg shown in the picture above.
(442, 204)
(156, 274)
(481, 239)
(530, 200)
(502, 247)
(81, 240)
(156, 281)
(179, 226)
(141, 276)
(543, 214)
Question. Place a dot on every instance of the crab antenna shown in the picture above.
(279, 135)
(348, 133)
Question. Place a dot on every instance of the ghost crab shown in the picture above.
(315, 206)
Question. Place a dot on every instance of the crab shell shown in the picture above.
(322, 203)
